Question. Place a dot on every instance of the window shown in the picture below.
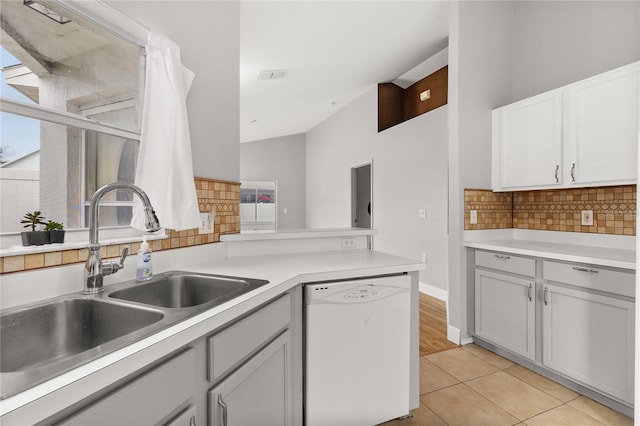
(70, 113)
(109, 158)
(258, 205)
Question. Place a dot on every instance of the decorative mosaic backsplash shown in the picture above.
(614, 209)
(494, 209)
(220, 197)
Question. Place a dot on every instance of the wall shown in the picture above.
(479, 80)
(501, 52)
(559, 42)
(409, 174)
(283, 160)
(208, 33)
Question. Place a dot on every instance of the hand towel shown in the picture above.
(164, 168)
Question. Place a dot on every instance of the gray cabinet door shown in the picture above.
(589, 338)
(186, 418)
(505, 311)
(257, 393)
(147, 400)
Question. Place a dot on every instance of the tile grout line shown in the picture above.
(500, 407)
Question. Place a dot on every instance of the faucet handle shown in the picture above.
(113, 267)
(123, 256)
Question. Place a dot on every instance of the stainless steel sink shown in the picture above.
(42, 340)
(40, 335)
(180, 290)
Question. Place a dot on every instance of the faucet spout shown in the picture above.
(95, 268)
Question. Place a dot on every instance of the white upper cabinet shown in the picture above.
(602, 127)
(527, 143)
(583, 134)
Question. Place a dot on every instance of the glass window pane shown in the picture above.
(247, 195)
(60, 177)
(266, 196)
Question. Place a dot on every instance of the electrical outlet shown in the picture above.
(424, 257)
(422, 214)
(473, 217)
(206, 223)
(587, 218)
(348, 243)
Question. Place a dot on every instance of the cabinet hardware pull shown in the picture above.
(546, 292)
(502, 256)
(529, 292)
(192, 421)
(222, 404)
(591, 271)
(573, 172)
(556, 173)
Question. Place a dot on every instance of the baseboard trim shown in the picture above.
(467, 341)
(453, 334)
(434, 291)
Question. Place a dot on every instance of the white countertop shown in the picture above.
(283, 271)
(612, 252)
(285, 234)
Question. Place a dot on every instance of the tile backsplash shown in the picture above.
(614, 209)
(494, 209)
(220, 197)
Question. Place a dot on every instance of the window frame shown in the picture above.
(112, 21)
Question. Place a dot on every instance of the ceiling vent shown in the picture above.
(271, 74)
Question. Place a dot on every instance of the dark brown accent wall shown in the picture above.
(396, 105)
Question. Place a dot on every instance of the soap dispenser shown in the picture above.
(144, 271)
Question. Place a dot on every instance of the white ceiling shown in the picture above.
(333, 52)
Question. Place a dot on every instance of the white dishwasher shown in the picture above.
(357, 361)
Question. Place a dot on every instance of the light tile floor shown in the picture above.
(471, 386)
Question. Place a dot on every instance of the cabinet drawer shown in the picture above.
(147, 400)
(506, 262)
(235, 344)
(589, 276)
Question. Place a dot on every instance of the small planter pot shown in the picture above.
(56, 236)
(34, 238)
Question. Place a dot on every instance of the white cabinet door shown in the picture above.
(259, 392)
(527, 143)
(602, 128)
(589, 338)
(505, 311)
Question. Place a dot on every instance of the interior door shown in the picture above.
(361, 184)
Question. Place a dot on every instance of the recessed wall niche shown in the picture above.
(397, 105)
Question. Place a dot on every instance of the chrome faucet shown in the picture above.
(95, 269)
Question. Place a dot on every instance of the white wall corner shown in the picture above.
(453, 334)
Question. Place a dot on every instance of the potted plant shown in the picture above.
(56, 231)
(33, 237)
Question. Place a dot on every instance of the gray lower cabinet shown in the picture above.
(186, 418)
(589, 337)
(149, 399)
(505, 311)
(248, 372)
(575, 322)
(505, 303)
(257, 393)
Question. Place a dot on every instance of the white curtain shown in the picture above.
(164, 169)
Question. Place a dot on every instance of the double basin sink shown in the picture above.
(41, 340)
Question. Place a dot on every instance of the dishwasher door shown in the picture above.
(357, 351)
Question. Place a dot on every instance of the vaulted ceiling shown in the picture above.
(331, 51)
